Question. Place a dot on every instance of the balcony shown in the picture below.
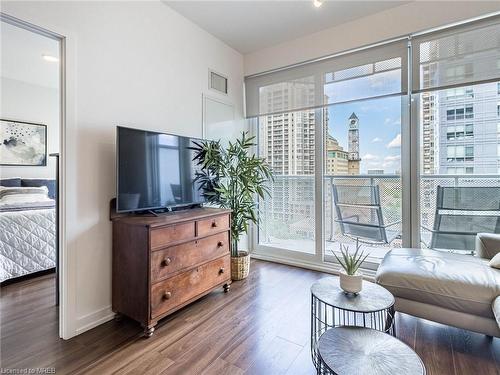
(288, 218)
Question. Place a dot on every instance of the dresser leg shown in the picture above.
(148, 331)
(227, 287)
(118, 317)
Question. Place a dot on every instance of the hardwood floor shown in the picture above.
(260, 327)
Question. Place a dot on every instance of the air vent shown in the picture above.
(218, 82)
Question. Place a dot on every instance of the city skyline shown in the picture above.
(379, 131)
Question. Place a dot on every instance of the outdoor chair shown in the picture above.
(463, 212)
(359, 214)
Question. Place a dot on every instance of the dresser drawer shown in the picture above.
(166, 262)
(164, 236)
(212, 225)
(169, 294)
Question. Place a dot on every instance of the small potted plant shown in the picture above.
(233, 177)
(351, 281)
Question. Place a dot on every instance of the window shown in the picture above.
(469, 112)
(458, 113)
(456, 129)
(450, 133)
(469, 153)
(457, 153)
(450, 153)
(469, 130)
(459, 93)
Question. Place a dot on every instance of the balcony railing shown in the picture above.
(288, 217)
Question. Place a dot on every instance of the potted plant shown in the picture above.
(232, 177)
(351, 281)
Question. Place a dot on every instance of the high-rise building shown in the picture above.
(287, 140)
(353, 149)
(336, 159)
(428, 117)
(468, 130)
(460, 128)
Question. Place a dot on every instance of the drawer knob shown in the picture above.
(220, 244)
(214, 224)
(165, 262)
(167, 295)
(221, 271)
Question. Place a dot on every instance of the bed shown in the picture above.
(27, 230)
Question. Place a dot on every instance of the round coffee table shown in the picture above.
(363, 351)
(373, 308)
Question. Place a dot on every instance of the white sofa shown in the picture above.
(454, 289)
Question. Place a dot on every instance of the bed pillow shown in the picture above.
(11, 182)
(23, 194)
(37, 182)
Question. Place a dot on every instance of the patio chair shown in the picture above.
(359, 214)
(463, 212)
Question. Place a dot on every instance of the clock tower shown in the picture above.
(353, 149)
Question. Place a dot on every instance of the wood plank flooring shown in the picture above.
(260, 327)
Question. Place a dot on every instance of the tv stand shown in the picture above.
(161, 264)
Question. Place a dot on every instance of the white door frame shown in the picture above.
(67, 259)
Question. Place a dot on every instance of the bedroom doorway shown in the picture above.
(31, 123)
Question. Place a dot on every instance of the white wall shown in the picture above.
(137, 64)
(31, 103)
(394, 22)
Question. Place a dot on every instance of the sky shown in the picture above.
(379, 131)
(379, 119)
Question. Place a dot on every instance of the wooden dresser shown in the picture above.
(163, 263)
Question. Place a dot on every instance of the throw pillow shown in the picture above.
(495, 261)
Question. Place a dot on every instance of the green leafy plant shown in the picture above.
(233, 177)
(351, 262)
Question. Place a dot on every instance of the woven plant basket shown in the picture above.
(240, 265)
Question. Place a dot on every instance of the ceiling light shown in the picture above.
(50, 58)
(318, 3)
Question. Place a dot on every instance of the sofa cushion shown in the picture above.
(454, 281)
(496, 310)
(37, 182)
(11, 182)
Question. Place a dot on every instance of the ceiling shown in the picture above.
(248, 26)
(21, 56)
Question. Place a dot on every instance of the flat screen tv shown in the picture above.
(154, 171)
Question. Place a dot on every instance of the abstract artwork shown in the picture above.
(23, 143)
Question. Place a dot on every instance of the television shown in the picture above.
(155, 171)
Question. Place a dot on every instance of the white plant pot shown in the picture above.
(351, 283)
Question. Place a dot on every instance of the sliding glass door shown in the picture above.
(457, 111)
(395, 145)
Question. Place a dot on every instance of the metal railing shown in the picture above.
(290, 210)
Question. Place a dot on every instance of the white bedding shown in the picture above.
(27, 235)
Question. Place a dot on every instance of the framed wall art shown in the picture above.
(22, 143)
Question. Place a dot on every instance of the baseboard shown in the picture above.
(94, 319)
(321, 267)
